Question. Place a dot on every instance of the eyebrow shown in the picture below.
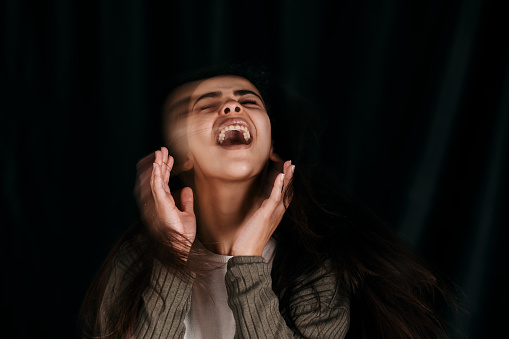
(239, 93)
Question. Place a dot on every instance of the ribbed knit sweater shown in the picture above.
(320, 310)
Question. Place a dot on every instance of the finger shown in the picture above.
(169, 167)
(159, 158)
(288, 171)
(142, 186)
(145, 164)
(156, 178)
(186, 200)
(275, 195)
(144, 169)
(162, 167)
(153, 174)
(155, 170)
(164, 158)
(164, 152)
(287, 196)
(286, 165)
(280, 198)
(157, 183)
(144, 174)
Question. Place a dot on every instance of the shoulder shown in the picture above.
(319, 306)
(127, 256)
(321, 288)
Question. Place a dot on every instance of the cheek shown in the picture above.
(198, 127)
(198, 133)
(265, 132)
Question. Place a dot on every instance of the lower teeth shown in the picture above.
(235, 137)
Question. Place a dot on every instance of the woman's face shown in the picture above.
(227, 128)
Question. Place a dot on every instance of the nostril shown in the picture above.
(232, 107)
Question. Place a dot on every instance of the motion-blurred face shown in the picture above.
(226, 128)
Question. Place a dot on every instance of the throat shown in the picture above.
(221, 211)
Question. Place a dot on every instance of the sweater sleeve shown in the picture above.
(165, 303)
(320, 311)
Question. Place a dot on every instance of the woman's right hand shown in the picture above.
(158, 205)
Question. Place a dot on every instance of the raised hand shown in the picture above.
(257, 230)
(158, 205)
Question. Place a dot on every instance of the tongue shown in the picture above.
(234, 138)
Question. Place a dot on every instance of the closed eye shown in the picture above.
(208, 106)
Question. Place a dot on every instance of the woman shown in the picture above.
(241, 243)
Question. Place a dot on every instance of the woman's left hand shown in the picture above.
(257, 230)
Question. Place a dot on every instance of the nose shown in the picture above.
(231, 106)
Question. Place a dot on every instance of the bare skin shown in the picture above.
(235, 215)
(247, 231)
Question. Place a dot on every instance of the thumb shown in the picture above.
(186, 200)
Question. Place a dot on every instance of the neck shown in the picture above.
(221, 207)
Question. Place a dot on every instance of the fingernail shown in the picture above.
(282, 178)
(292, 168)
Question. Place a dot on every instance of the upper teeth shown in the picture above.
(225, 129)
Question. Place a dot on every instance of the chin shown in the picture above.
(240, 170)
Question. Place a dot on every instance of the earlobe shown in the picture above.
(273, 156)
(187, 164)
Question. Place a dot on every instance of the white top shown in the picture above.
(210, 316)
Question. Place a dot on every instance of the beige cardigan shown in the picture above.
(320, 311)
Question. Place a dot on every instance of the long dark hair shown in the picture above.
(393, 294)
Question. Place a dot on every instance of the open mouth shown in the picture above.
(234, 133)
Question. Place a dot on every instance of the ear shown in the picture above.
(273, 156)
(276, 166)
(184, 165)
(188, 163)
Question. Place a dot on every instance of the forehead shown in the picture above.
(225, 84)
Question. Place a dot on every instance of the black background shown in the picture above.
(416, 96)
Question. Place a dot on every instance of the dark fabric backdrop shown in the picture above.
(416, 96)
